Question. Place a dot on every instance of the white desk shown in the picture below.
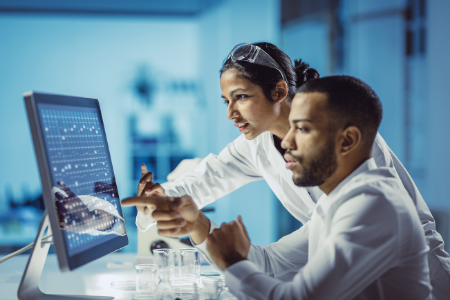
(92, 279)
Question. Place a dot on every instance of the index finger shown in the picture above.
(145, 178)
(159, 202)
(144, 170)
(239, 220)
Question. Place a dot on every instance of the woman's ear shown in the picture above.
(280, 92)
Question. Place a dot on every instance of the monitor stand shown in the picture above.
(29, 285)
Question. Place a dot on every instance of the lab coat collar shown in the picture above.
(327, 203)
(365, 166)
(276, 155)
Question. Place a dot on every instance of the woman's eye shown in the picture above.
(302, 129)
(226, 102)
(241, 96)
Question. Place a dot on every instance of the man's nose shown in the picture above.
(289, 140)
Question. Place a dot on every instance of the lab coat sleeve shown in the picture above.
(202, 247)
(282, 259)
(143, 223)
(358, 250)
(438, 258)
(217, 176)
(285, 257)
(385, 157)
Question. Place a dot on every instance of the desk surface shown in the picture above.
(92, 279)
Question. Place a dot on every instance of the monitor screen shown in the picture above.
(83, 194)
(75, 146)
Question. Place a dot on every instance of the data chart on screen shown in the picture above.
(83, 183)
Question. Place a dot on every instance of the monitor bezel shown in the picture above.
(66, 262)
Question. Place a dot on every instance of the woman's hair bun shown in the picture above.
(304, 72)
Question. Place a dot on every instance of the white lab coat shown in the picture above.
(365, 242)
(244, 161)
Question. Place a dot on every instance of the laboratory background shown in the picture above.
(154, 66)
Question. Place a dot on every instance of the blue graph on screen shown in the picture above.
(82, 176)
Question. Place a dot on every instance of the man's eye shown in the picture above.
(302, 129)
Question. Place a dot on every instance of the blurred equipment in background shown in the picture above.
(20, 221)
(160, 152)
(144, 87)
(157, 139)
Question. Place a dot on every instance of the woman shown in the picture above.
(258, 84)
(246, 89)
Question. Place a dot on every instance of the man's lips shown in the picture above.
(241, 126)
(290, 165)
(290, 162)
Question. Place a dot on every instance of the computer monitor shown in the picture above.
(78, 182)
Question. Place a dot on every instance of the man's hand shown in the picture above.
(229, 244)
(147, 187)
(175, 216)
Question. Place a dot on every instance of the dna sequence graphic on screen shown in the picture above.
(81, 173)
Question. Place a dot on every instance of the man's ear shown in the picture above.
(280, 92)
(350, 140)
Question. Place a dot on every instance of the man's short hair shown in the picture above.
(351, 102)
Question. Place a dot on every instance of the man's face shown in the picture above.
(310, 142)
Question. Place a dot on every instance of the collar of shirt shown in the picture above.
(365, 166)
(326, 201)
(325, 206)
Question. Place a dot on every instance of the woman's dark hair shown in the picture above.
(267, 78)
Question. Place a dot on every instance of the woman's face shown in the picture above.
(248, 107)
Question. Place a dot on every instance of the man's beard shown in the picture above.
(319, 168)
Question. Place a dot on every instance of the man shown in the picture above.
(364, 240)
